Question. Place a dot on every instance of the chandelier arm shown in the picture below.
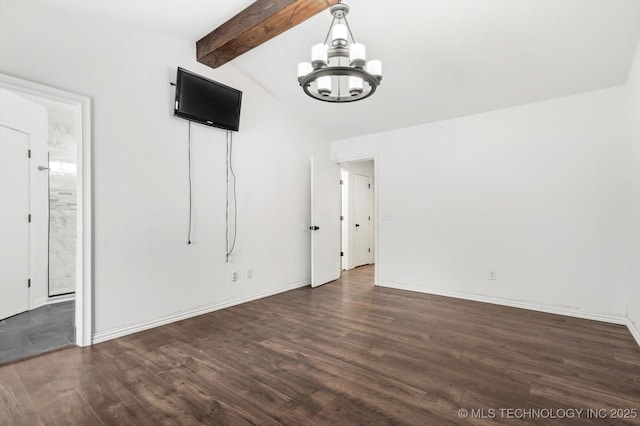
(326, 39)
(349, 28)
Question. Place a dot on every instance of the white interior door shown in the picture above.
(325, 223)
(362, 220)
(14, 224)
(344, 222)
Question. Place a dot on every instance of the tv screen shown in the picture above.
(206, 101)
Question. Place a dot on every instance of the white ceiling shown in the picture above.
(441, 58)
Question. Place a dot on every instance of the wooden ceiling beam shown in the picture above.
(260, 22)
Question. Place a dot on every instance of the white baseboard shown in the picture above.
(633, 330)
(116, 332)
(44, 301)
(551, 309)
(38, 303)
(60, 299)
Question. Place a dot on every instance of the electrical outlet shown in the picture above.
(249, 273)
(492, 275)
(234, 276)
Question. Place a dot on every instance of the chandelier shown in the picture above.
(339, 71)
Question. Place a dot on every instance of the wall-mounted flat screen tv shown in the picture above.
(206, 101)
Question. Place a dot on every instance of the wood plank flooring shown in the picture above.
(345, 353)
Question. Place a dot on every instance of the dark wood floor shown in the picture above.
(345, 353)
(38, 331)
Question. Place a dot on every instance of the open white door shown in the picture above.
(14, 222)
(325, 223)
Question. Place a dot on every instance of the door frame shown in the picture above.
(374, 158)
(84, 254)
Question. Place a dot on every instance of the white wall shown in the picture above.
(634, 286)
(540, 193)
(144, 271)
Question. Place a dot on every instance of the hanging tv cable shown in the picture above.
(231, 174)
(190, 189)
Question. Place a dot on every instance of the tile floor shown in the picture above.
(34, 332)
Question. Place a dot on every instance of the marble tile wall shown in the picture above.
(62, 209)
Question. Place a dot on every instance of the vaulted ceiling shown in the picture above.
(441, 58)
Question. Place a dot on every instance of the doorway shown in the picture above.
(58, 259)
(358, 213)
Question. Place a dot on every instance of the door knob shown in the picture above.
(41, 168)
(314, 228)
(357, 225)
